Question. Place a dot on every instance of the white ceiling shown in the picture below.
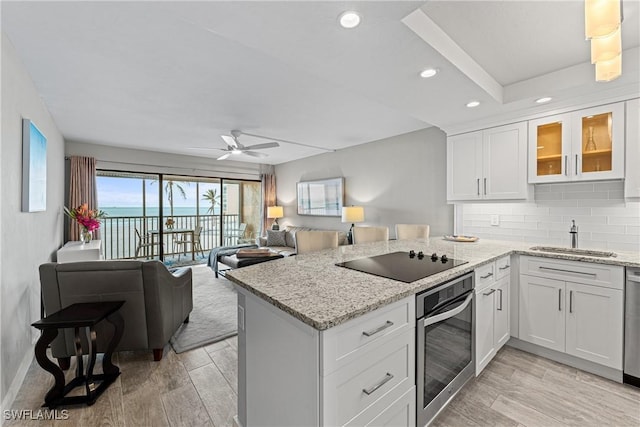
(173, 76)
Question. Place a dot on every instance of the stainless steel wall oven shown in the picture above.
(444, 344)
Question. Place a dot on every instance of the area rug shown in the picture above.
(214, 314)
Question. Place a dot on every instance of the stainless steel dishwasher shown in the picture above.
(632, 328)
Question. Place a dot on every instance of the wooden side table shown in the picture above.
(80, 315)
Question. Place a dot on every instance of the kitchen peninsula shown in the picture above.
(304, 356)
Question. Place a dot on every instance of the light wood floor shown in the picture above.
(199, 388)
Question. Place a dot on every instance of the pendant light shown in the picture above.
(609, 70)
(601, 17)
(606, 48)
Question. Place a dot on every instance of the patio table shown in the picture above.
(191, 231)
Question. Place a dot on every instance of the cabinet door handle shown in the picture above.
(378, 329)
(388, 377)
(486, 294)
(567, 271)
(559, 299)
(566, 165)
(576, 164)
(478, 185)
(485, 186)
(486, 276)
(570, 301)
(504, 267)
(500, 308)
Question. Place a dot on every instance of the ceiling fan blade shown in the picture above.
(254, 154)
(263, 146)
(230, 141)
(224, 156)
(207, 148)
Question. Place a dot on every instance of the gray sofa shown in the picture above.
(290, 240)
(157, 301)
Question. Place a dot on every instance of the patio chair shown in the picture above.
(237, 234)
(144, 242)
(184, 240)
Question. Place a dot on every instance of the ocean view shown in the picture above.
(130, 211)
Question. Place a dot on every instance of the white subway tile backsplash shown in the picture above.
(604, 218)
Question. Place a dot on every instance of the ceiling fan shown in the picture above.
(235, 147)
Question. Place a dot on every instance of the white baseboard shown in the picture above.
(12, 392)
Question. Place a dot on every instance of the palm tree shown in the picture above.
(211, 195)
(168, 189)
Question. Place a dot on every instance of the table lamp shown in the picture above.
(352, 214)
(275, 212)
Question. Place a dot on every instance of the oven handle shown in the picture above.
(448, 314)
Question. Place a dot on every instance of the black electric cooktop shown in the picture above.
(403, 266)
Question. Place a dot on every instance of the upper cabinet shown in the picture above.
(583, 145)
(488, 165)
(632, 179)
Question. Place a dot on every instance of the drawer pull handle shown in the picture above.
(378, 329)
(486, 294)
(486, 276)
(388, 377)
(567, 271)
(504, 267)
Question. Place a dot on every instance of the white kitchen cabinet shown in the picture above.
(542, 319)
(361, 372)
(583, 145)
(492, 323)
(632, 170)
(573, 307)
(594, 327)
(488, 165)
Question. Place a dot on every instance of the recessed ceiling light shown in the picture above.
(429, 72)
(473, 104)
(349, 19)
(543, 100)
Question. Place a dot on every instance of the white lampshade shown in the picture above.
(275, 212)
(609, 70)
(352, 214)
(606, 48)
(601, 17)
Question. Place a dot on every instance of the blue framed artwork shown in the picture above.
(321, 198)
(34, 168)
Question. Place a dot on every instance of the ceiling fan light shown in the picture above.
(601, 17)
(609, 70)
(606, 48)
(236, 151)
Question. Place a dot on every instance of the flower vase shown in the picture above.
(85, 235)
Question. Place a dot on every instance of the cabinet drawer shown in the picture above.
(375, 380)
(503, 267)
(346, 342)
(484, 276)
(608, 276)
(400, 413)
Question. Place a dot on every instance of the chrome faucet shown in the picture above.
(573, 231)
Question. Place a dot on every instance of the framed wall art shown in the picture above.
(321, 198)
(34, 168)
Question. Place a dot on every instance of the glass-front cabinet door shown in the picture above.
(549, 146)
(598, 143)
(582, 145)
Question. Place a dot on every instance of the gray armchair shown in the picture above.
(157, 301)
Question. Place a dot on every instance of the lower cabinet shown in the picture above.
(492, 321)
(359, 373)
(581, 319)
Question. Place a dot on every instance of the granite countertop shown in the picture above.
(313, 289)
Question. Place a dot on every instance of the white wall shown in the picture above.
(125, 159)
(604, 218)
(397, 180)
(28, 239)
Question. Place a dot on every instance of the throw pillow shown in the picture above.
(276, 238)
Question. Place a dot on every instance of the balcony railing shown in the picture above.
(120, 239)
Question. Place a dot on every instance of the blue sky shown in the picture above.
(127, 192)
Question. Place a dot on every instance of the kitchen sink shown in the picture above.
(573, 251)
